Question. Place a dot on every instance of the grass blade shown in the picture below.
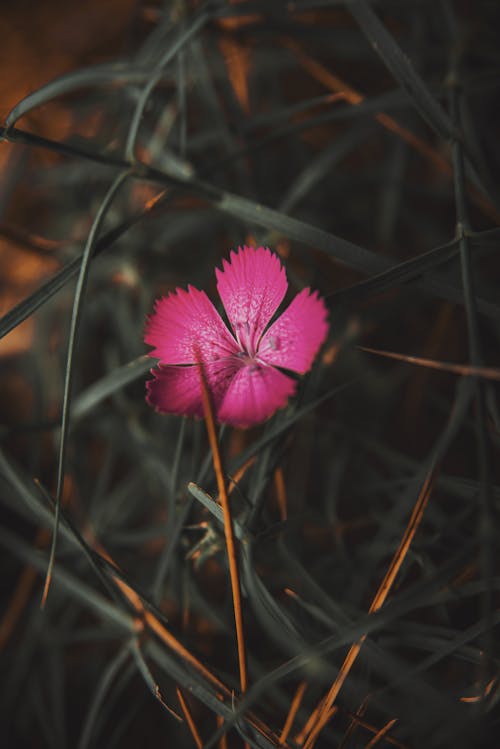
(75, 319)
(402, 69)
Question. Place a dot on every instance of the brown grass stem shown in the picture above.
(189, 718)
(322, 713)
(464, 370)
(294, 706)
(228, 529)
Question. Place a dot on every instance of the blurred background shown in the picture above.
(141, 142)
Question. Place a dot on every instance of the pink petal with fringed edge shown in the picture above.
(294, 339)
(251, 285)
(254, 394)
(185, 323)
(177, 390)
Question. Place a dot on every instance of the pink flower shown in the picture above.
(242, 366)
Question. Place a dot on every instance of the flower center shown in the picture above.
(245, 333)
(245, 358)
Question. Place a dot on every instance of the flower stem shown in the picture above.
(228, 529)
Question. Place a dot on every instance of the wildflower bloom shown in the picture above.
(242, 366)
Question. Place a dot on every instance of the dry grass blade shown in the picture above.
(228, 529)
(189, 718)
(355, 97)
(294, 707)
(279, 484)
(149, 679)
(237, 61)
(145, 617)
(381, 734)
(322, 713)
(318, 726)
(354, 723)
(464, 370)
(223, 738)
(389, 739)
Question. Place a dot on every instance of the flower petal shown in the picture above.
(185, 322)
(251, 285)
(294, 339)
(177, 390)
(254, 394)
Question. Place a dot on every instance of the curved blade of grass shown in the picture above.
(95, 75)
(146, 674)
(75, 319)
(278, 624)
(113, 668)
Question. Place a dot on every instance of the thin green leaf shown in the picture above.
(75, 319)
